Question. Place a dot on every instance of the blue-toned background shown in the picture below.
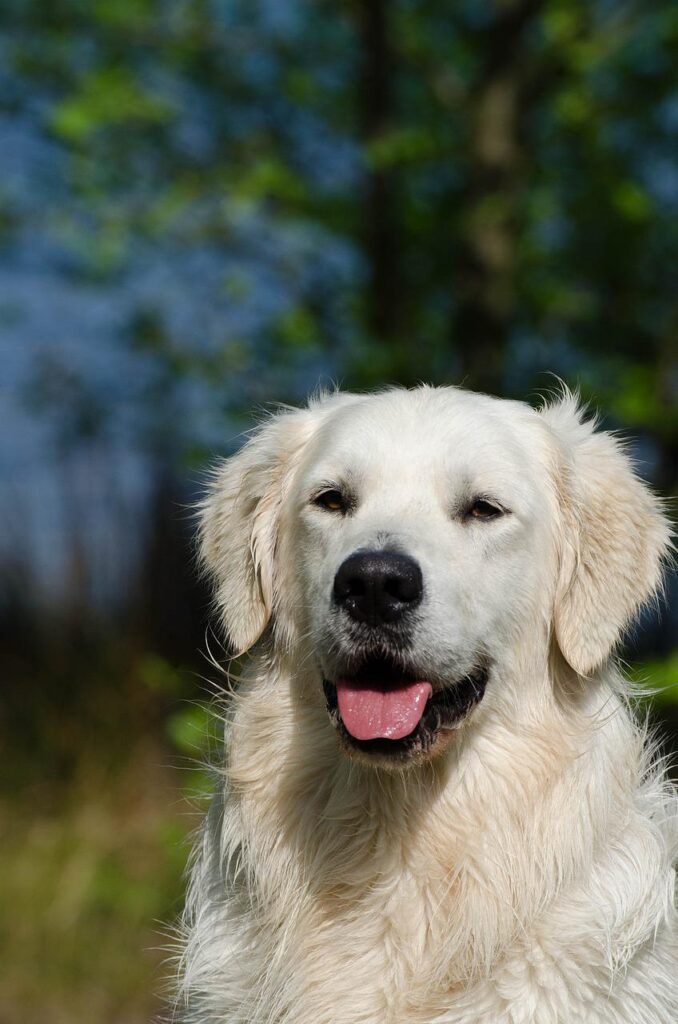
(206, 207)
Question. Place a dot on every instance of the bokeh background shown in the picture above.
(209, 205)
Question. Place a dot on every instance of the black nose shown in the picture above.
(377, 587)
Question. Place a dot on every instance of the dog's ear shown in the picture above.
(238, 524)
(614, 538)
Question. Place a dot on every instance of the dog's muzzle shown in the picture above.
(389, 710)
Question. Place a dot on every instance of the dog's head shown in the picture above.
(408, 548)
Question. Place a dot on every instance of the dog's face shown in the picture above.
(407, 545)
(413, 527)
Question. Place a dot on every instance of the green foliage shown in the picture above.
(659, 677)
(269, 178)
(160, 676)
(507, 184)
(189, 728)
(107, 97)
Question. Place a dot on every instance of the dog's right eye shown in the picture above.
(484, 509)
(332, 500)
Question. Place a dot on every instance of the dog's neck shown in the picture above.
(458, 837)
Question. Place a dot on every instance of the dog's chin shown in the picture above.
(446, 708)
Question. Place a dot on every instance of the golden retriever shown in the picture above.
(436, 806)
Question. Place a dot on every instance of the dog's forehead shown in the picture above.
(445, 430)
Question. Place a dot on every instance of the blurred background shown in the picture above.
(210, 205)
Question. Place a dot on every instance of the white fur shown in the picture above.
(526, 873)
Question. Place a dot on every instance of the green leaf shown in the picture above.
(270, 178)
(159, 675)
(298, 328)
(573, 106)
(108, 96)
(660, 675)
(632, 202)
(400, 146)
(189, 729)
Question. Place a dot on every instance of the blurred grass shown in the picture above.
(89, 883)
(96, 814)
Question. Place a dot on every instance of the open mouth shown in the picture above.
(386, 709)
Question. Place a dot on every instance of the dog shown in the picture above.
(436, 806)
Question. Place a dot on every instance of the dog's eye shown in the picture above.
(484, 509)
(332, 500)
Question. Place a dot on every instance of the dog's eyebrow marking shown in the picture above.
(326, 485)
(345, 479)
(464, 491)
(467, 491)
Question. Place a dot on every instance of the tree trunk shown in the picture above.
(380, 228)
(485, 261)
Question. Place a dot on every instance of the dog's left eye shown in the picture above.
(481, 508)
(332, 500)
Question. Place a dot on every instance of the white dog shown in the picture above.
(436, 806)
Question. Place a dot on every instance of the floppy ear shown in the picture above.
(238, 524)
(615, 537)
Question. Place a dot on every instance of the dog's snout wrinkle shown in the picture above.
(378, 587)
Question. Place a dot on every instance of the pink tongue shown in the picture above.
(370, 714)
